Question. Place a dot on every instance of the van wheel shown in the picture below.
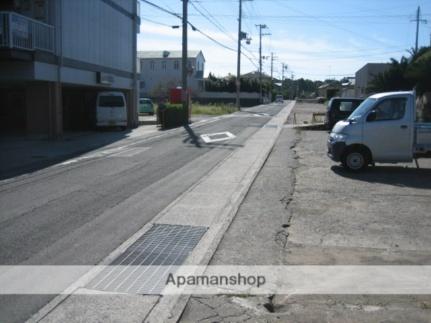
(355, 160)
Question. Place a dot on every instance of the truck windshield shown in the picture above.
(363, 108)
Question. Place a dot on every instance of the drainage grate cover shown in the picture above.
(144, 267)
(219, 136)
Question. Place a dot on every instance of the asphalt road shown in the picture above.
(60, 215)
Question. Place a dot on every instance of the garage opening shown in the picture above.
(13, 113)
(79, 108)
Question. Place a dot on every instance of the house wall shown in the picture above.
(95, 32)
(365, 75)
(169, 77)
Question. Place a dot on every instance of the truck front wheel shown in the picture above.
(355, 160)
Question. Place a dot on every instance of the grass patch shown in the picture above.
(213, 109)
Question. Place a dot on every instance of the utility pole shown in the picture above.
(272, 71)
(238, 62)
(261, 26)
(241, 36)
(184, 90)
(283, 68)
(418, 20)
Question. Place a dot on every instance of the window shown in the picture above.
(152, 65)
(176, 65)
(111, 101)
(164, 65)
(391, 109)
(346, 106)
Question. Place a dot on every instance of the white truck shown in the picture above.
(383, 129)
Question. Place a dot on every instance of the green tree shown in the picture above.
(405, 74)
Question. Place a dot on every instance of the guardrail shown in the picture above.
(18, 31)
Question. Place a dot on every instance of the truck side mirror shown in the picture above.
(372, 116)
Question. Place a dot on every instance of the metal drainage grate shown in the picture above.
(144, 267)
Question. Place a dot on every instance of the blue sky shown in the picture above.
(317, 39)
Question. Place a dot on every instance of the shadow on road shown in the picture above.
(22, 154)
(192, 138)
(391, 175)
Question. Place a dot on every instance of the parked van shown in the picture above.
(339, 109)
(111, 110)
(382, 129)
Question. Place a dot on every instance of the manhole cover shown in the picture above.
(219, 136)
(144, 267)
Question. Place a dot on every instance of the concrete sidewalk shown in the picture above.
(211, 203)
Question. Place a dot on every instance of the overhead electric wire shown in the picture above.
(155, 22)
(162, 9)
(220, 27)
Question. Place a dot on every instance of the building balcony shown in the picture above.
(21, 32)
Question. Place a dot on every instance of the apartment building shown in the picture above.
(55, 55)
(161, 70)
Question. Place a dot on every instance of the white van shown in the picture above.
(111, 110)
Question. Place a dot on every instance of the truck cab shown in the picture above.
(382, 129)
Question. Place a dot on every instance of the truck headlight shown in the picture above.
(337, 137)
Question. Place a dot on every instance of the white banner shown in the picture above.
(250, 280)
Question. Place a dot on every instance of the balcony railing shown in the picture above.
(18, 31)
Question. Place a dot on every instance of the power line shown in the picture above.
(156, 22)
(194, 28)
(162, 9)
(220, 27)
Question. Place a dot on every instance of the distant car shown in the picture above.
(146, 106)
(279, 98)
(340, 109)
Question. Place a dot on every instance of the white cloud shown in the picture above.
(315, 58)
